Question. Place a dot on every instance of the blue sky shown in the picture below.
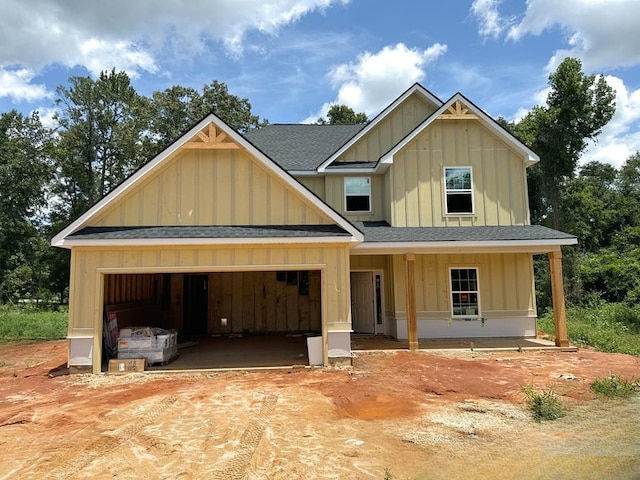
(293, 58)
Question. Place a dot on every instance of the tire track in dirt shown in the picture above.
(236, 467)
(107, 443)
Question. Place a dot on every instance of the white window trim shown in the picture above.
(465, 267)
(444, 187)
(344, 185)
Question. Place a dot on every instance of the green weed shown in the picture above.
(543, 405)
(32, 325)
(615, 387)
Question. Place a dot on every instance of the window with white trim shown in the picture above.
(465, 294)
(458, 190)
(357, 194)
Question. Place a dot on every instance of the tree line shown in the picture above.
(104, 130)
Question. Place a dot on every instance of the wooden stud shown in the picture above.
(410, 280)
(557, 293)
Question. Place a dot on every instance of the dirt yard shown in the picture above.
(399, 415)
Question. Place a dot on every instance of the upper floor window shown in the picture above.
(458, 190)
(357, 194)
(465, 301)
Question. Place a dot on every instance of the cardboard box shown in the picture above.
(127, 365)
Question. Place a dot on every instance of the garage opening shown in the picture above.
(222, 319)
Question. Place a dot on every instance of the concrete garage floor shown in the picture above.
(277, 351)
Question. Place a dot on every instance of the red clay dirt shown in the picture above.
(414, 415)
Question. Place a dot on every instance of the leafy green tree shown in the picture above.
(101, 138)
(174, 110)
(343, 115)
(577, 109)
(24, 172)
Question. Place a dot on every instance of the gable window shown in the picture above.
(465, 301)
(357, 194)
(458, 190)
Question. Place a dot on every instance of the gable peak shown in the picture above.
(210, 137)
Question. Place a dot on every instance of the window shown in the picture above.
(357, 193)
(464, 292)
(458, 189)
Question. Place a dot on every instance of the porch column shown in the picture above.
(557, 292)
(410, 281)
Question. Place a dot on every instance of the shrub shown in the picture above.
(614, 386)
(543, 405)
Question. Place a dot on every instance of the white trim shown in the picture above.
(351, 171)
(166, 154)
(415, 88)
(476, 316)
(492, 246)
(446, 191)
(344, 189)
(157, 242)
(529, 156)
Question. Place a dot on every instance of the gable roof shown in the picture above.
(529, 156)
(164, 156)
(301, 147)
(415, 88)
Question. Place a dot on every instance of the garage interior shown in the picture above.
(223, 319)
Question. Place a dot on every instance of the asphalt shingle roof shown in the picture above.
(301, 147)
(208, 231)
(383, 232)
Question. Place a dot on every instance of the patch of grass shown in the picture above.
(32, 325)
(615, 387)
(608, 327)
(543, 405)
(387, 474)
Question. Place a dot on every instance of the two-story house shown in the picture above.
(414, 225)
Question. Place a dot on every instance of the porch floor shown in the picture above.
(282, 351)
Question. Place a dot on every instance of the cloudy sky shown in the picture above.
(293, 58)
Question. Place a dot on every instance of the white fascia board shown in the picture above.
(303, 173)
(174, 147)
(349, 171)
(529, 157)
(366, 248)
(168, 242)
(415, 88)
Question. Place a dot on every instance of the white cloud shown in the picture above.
(134, 36)
(375, 79)
(618, 141)
(602, 33)
(490, 23)
(16, 85)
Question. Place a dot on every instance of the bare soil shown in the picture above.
(411, 415)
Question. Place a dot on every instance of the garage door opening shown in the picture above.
(223, 319)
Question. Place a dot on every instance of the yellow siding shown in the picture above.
(211, 187)
(378, 262)
(389, 131)
(315, 184)
(416, 177)
(88, 266)
(505, 281)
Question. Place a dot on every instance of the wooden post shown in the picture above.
(557, 292)
(412, 324)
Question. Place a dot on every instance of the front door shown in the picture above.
(363, 305)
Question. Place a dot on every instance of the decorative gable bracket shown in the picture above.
(457, 111)
(210, 138)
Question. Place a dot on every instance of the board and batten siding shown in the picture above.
(505, 280)
(335, 197)
(313, 183)
(383, 263)
(408, 115)
(212, 187)
(416, 177)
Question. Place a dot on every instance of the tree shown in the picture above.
(101, 138)
(343, 115)
(177, 108)
(24, 171)
(577, 108)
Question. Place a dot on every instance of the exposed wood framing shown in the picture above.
(412, 323)
(457, 111)
(210, 138)
(557, 292)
